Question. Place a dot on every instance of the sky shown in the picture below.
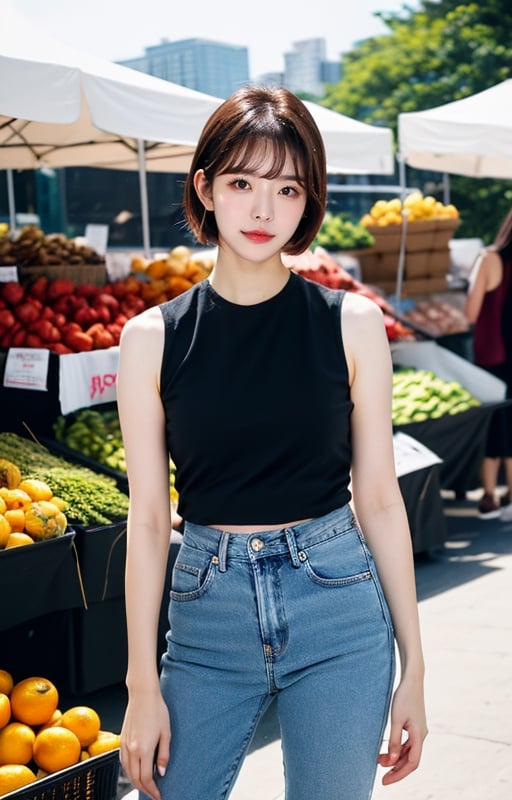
(121, 29)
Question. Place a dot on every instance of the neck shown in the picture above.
(248, 283)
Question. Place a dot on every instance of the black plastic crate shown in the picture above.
(39, 578)
(93, 779)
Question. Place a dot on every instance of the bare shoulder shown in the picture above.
(143, 326)
(359, 310)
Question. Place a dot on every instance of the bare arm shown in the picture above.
(146, 728)
(380, 510)
(486, 274)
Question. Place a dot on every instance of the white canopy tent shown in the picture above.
(61, 107)
(471, 137)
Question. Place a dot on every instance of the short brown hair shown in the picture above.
(235, 131)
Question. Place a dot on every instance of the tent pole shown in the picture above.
(401, 176)
(143, 199)
(11, 201)
(446, 188)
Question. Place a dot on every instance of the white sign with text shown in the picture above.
(87, 379)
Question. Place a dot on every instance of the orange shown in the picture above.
(18, 539)
(16, 743)
(84, 722)
(6, 681)
(14, 776)
(16, 519)
(5, 710)
(56, 748)
(53, 721)
(34, 700)
(106, 740)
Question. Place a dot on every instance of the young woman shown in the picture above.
(273, 395)
(489, 308)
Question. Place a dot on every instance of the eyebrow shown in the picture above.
(249, 171)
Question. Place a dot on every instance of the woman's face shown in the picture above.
(257, 216)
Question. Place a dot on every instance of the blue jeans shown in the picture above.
(294, 614)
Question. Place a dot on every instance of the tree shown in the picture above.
(440, 52)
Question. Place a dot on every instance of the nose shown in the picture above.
(262, 205)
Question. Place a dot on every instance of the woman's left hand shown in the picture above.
(407, 714)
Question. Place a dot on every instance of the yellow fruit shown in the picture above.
(44, 520)
(84, 722)
(3, 507)
(6, 682)
(5, 530)
(105, 741)
(16, 743)
(56, 748)
(16, 498)
(14, 776)
(36, 489)
(60, 503)
(34, 700)
(10, 475)
(5, 710)
(16, 519)
(18, 539)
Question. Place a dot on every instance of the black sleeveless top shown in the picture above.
(257, 404)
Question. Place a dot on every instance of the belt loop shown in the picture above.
(223, 551)
(292, 547)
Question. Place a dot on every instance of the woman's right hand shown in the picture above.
(145, 742)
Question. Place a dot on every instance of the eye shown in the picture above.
(240, 183)
(290, 191)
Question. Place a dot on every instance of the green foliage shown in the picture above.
(433, 54)
(339, 232)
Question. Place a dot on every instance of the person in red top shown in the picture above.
(489, 308)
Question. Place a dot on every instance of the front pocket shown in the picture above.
(192, 574)
(337, 561)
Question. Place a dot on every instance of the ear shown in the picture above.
(203, 189)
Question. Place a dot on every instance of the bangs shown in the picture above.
(252, 152)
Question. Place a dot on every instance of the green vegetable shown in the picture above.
(93, 499)
(339, 232)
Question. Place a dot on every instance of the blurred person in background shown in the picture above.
(489, 309)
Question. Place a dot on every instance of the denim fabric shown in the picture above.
(297, 615)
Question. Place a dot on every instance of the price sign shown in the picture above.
(27, 368)
(8, 273)
(87, 379)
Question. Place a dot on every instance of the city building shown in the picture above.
(306, 69)
(211, 67)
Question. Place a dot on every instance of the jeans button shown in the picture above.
(257, 545)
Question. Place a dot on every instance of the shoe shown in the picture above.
(506, 513)
(488, 508)
(505, 499)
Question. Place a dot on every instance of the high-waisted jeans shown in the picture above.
(297, 615)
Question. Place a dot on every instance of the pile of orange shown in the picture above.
(37, 738)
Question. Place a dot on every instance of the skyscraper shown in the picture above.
(211, 67)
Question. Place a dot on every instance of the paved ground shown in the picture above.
(465, 594)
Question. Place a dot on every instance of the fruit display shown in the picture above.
(165, 277)
(29, 510)
(320, 267)
(65, 318)
(420, 394)
(37, 738)
(31, 246)
(90, 498)
(96, 435)
(436, 316)
(415, 205)
(338, 232)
